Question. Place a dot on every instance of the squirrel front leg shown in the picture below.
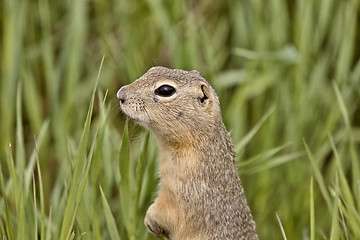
(160, 219)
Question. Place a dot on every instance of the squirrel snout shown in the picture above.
(121, 94)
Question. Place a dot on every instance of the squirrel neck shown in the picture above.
(207, 146)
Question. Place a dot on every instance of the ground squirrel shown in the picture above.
(200, 194)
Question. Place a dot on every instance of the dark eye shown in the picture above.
(165, 91)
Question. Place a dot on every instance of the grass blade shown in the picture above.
(239, 146)
(28, 174)
(21, 228)
(41, 192)
(124, 188)
(78, 178)
(312, 210)
(262, 156)
(335, 229)
(8, 227)
(49, 226)
(110, 221)
(352, 146)
(281, 226)
(347, 194)
(14, 178)
(318, 177)
(273, 162)
(140, 168)
(35, 210)
(20, 149)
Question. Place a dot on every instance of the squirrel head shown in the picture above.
(178, 106)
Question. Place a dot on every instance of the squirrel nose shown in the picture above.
(121, 94)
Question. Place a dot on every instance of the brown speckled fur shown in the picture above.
(200, 194)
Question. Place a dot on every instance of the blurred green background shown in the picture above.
(287, 74)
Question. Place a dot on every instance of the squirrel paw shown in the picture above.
(152, 224)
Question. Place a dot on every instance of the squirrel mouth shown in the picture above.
(140, 119)
(136, 119)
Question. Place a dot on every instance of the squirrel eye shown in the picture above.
(165, 91)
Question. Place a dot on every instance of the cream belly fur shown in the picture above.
(200, 193)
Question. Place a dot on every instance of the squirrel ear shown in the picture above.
(204, 95)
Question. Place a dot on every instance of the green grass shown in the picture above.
(287, 74)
